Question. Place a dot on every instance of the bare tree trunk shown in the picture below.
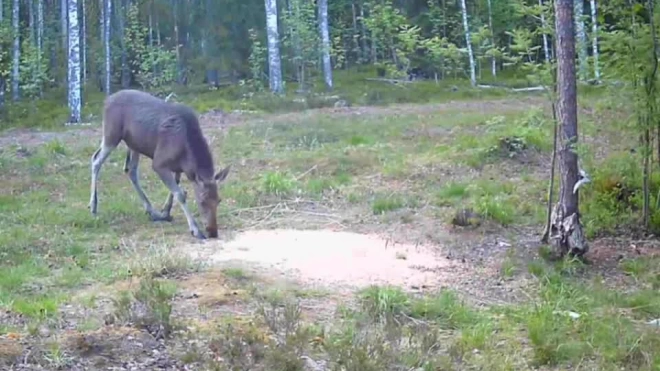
(16, 52)
(546, 44)
(31, 22)
(566, 231)
(74, 64)
(594, 31)
(83, 41)
(3, 82)
(581, 39)
(493, 62)
(325, 42)
(63, 20)
(468, 42)
(106, 41)
(40, 40)
(274, 60)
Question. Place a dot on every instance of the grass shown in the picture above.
(407, 169)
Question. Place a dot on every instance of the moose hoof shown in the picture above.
(155, 217)
(197, 234)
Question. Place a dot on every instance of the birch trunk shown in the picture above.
(566, 230)
(63, 21)
(325, 42)
(31, 22)
(16, 50)
(493, 62)
(106, 41)
(3, 83)
(594, 31)
(581, 42)
(74, 63)
(468, 42)
(83, 41)
(274, 59)
(546, 45)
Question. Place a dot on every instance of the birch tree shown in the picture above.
(468, 42)
(594, 39)
(107, 16)
(3, 82)
(566, 229)
(40, 31)
(16, 50)
(581, 39)
(493, 62)
(544, 25)
(325, 42)
(83, 41)
(73, 75)
(274, 60)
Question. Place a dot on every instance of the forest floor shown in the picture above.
(337, 251)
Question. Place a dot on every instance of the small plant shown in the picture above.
(382, 205)
(278, 183)
(148, 307)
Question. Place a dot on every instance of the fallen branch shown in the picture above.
(532, 88)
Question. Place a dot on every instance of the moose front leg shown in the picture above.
(131, 164)
(169, 180)
(167, 207)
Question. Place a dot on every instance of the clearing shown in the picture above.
(338, 251)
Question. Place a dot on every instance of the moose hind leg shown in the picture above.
(98, 158)
(169, 179)
(167, 206)
(131, 165)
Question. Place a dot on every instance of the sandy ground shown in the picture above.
(334, 258)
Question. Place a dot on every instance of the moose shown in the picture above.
(169, 134)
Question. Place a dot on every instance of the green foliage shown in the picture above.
(33, 70)
(257, 60)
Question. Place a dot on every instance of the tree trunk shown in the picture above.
(493, 62)
(63, 22)
(40, 40)
(3, 83)
(546, 45)
(274, 60)
(106, 41)
(83, 42)
(16, 50)
(566, 230)
(594, 31)
(325, 42)
(74, 63)
(468, 42)
(581, 39)
(125, 70)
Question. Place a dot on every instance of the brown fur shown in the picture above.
(170, 135)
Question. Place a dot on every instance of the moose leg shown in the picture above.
(167, 207)
(98, 158)
(131, 164)
(169, 179)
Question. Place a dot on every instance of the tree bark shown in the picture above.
(74, 63)
(546, 45)
(581, 39)
(594, 31)
(566, 231)
(16, 51)
(325, 42)
(274, 59)
(107, 14)
(468, 42)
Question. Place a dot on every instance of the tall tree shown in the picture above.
(468, 42)
(581, 39)
(493, 63)
(325, 42)
(107, 17)
(16, 50)
(274, 59)
(566, 230)
(73, 75)
(594, 39)
(546, 44)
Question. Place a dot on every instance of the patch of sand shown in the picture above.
(330, 257)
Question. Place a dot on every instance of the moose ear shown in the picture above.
(222, 174)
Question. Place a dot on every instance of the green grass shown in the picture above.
(381, 171)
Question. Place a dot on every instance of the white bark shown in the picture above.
(468, 41)
(106, 41)
(546, 45)
(63, 21)
(31, 22)
(594, 31)
(325, 42)
(274, 59)
(74, 63)
(580, 39)
(83, 38)
(40, 28)
(16, 50)
(493, 62)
